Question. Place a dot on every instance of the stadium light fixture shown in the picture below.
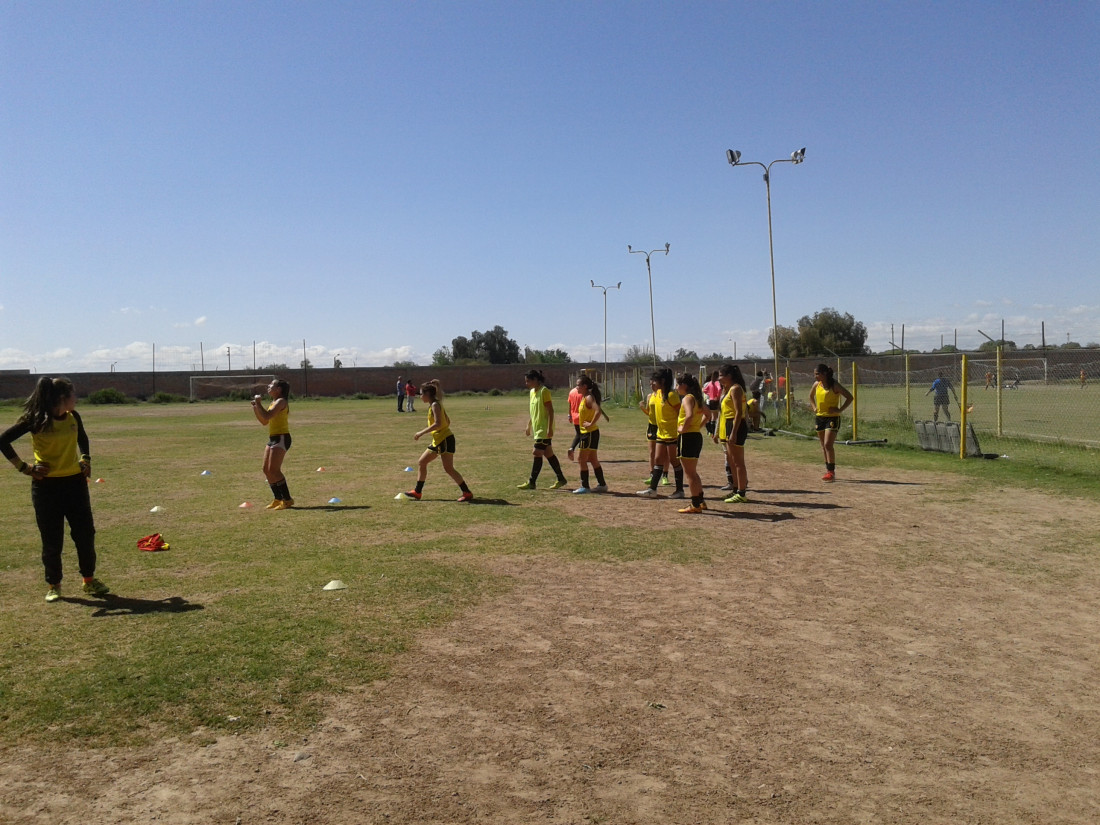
(649, 272)
(604, 288)
(798, 156)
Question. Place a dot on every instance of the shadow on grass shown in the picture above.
(498, 502)
(333, 508)
(111, 605)
(881, 481)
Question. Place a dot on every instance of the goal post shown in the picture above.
(207, 386)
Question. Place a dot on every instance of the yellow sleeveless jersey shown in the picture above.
(696, 422)
(826, 400)
(56, 446)
(728, 413)
(668, 412)
(584, 412)
(279, 423)
(444, 432)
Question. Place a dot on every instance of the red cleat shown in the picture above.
(829, 476)
(466, 497)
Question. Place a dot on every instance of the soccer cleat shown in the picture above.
(527, 485)
(96, 588)
(581, 491)
(702, 505)
(285, 504)
(736, 498)
(557, 485)
(466, 497)
(415, 496)
(54, 593)
(728, 488)
(664, 481)
(600, 488)
(829, 476)
(648, 492)
(676, 494)
(691, 509)
(274, 505)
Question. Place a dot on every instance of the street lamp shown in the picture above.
(649, 271)
(734, 158)
(604, 288)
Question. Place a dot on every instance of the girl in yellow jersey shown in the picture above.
(733, 431)
(276, 417)
(59, 479)
(588, 416)
(443, 442)
(825, 400)
(693, 414)
(666, 405)
(649, 406)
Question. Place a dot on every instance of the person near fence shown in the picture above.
(828, 399)
(442, 446)
(574, 401)
(733, 432)
(540, 426)
(410, 394)
(588, 417)
(666, 404)
(943, 390)
(59, 479)
(756, 390)
(276, 417)
(649, 406)
(712, 394)
(400, 394)
(689, 423)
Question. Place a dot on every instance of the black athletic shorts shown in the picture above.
(691, 445)
(827, 422)
(590, 441)
(651, 432)
(447, 446)
(279, 441)
(542, 444)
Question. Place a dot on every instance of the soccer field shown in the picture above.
(849, 647)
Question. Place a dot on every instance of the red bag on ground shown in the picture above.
(152, 543)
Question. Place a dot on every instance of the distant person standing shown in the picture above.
(989, 380)
(942, 389)
(410, 395)
(400, 395)
(756, 391)
(1084, 378)
(825, 400)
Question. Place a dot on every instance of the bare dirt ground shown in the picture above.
(888, 649)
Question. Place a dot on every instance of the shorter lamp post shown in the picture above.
(605, 288)
(649, 272)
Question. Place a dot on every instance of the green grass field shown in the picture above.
(230, 629)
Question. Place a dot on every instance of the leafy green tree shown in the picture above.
(490, 347)
(638, 355)
(405, 365)
(546, 356)
(442, 357)
(824, 333)
(682, 354)
(991, 346)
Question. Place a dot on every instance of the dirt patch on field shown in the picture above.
(883, 649)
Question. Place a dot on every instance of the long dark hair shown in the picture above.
(664, 378)
(694, 390)
(39, 406)
(733, 372)
(594, 391)
(826, 373)
(535, 375)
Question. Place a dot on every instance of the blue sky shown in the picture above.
(377, 178)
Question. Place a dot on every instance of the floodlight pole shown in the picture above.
(604, 288)
(734, 158)
(649, 272)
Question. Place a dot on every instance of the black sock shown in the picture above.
(655, 480)
(463, 487)
(536, 468)
(830, 467)
(284, 493)
(599, 476)
(696, 501)
(420, 486)
(584, 478)
(679, 473)
(555, 465)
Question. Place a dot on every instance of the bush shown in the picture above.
(109, 395)
(167, 398)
